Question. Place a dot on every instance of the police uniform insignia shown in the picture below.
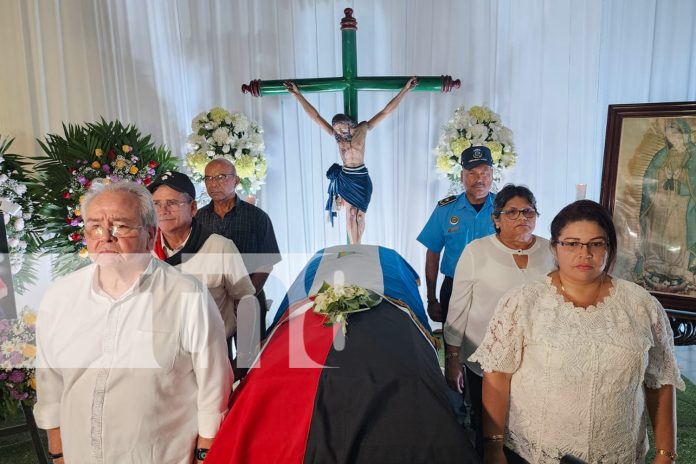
(454, 220)
(447, 201)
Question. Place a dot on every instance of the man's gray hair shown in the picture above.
(148, 215)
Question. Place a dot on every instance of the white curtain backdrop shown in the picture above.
(548, 67)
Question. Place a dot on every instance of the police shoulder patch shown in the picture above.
(447, 201)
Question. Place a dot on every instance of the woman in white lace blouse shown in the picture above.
(572, 363)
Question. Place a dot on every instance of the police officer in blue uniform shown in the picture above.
(456, 221)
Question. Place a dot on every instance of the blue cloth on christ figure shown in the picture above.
(351, 184)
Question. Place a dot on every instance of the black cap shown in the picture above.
(473, 156)
(175, 180)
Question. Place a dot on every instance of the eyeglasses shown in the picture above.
(170, 204)
(514, 214)
(219, 178)
(115, 230)
(575, 246)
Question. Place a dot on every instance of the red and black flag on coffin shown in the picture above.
(376, 396)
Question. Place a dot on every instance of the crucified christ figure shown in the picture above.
(350, 184)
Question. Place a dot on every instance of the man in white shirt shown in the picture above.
(132, 364)
(182, 242)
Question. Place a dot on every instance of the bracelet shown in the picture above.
(451, 355)
(670, 454)
(494, 438)
(53, 456)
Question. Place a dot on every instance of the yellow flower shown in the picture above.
(459, 145)
(29, 318)
(442, 164)
(29, 351)
(197, 162)
(32, 382)
(481, 113)
(496, 150)
(245, 166)
(83, 252)
(98, 152)
(96, 165)
(76, 211)
(126, 148)
(120, 163)
(133, 170)
(261, 168)
(218, 114)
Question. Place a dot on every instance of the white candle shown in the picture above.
(580, 191)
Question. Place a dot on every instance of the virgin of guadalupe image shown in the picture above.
(667, 252)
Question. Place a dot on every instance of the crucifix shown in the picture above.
(350, 184)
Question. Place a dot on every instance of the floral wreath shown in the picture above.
(21, 227)
(477, 126)
(17, 358)
(221, 134)
(104, 152)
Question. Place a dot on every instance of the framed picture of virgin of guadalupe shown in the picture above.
(649, 185)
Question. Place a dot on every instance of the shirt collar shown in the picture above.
(172, 251)
(463, 202)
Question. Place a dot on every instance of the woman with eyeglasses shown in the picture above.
(488, 268)
(572, 363)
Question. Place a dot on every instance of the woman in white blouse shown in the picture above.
(488, 268)
(573, 362)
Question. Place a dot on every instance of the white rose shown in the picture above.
(220, 135)
(21, 189)
(19, 224)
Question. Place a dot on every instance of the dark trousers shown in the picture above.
(513, 458)
(248, 354)
(474, 385)
(445, 295)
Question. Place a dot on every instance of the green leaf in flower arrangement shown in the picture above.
(104, 151)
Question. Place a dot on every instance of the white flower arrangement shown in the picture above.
(221, 134)
(477, 126)
(336, 302)
(13, 190)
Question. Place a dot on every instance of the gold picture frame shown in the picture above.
(649, 185)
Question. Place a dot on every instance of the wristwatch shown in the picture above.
(201, 453)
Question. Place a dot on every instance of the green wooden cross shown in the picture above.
(350, 83)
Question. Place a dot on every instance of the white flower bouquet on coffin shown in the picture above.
(337, 302)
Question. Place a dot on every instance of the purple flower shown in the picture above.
(3, 375)
(4, 325)
(138, 180)
(75, 222)
(106, 168)
(16, 376)
(115, 178)
(18, 396)
(82, 180)
(15, 359)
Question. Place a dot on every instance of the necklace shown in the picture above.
(519, 251)
(594, 300)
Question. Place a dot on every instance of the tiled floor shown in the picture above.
(686, 357)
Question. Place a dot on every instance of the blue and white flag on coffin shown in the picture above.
(377, 268)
